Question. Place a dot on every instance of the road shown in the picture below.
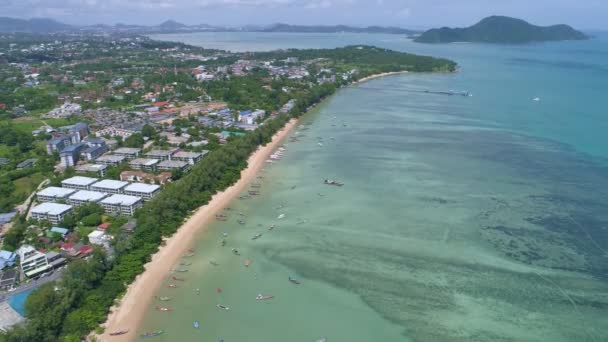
(21, 208)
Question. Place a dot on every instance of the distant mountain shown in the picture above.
(331, 29)
(502, 30)
(171, 25)
(36, 25)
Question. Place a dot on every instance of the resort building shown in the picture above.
(94, 152)
(79, 183)
(160, 154)
(57, 144)
(144, 164)
(91, 168)
(128, 152)
(53, 194)
(85, 196)
(170, 165)
(189, 157)
(111, 160)
(32, 261)
(52, 212)
(109, 186)
(145, 191)
(122, 204)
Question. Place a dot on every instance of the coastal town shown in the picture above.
(98, 132)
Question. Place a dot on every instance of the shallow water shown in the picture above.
(463, 218)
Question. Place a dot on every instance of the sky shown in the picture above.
(582, 14)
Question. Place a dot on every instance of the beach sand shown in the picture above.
(373, 77)
(130, 312)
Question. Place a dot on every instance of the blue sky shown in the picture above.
(583, 14)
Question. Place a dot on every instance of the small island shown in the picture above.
(501, 30)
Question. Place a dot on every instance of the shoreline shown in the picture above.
(373, 77)
(129, 313)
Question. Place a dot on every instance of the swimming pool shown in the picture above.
(17, 302)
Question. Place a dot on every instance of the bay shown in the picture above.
(462, 218)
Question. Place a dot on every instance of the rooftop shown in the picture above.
(186, 154)
(79, 180)
(110, 184)
(84, 195)
(161, 153)
(73, 148)
(172, 163)
(111, 158)
(54, 191)
(144, 161)
(51, 208)
(142, 187)
(121, 200)
(128, 150)
(90, 167)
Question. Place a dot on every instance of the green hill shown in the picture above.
(502, 30)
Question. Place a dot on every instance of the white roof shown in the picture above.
(160, 153)
(121, 200)
(90, 167)
(128, 150)
(143, 161)
(186, 154)
(111, 157)
(172, 163)
(91, 196)
(142, 187)
(51, 208)
(110, 184)
(96, 234)
(79, 180)
(54, 191)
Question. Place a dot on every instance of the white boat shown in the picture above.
(537, 99)
(263, 297)
(281, 216)
(223, 307)
(322, 339)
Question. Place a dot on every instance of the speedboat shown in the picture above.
(536, 99)
(281, 216)
(256, 236)
(118, 333)
(272, 227)
(172, 286)
(223, 307)
(332, 182)
(294, 281)
(196, 324)
(263, 297)
(163, 308)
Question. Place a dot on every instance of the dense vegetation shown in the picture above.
(498, 29)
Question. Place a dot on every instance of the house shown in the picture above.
(27, 163)
(145, 164)
(32, 261)
(78, 183)
(115, 132)
(84, 197)
(145, 191)
(91, 168)
(140, 176)
(111, 160)
(7, 259)
(109, 186)
(189, 157)
(53, 194)
(250, 117)
(52, 212)
(122, 204)
(104, 226)
(55, 259)
(58, 230)
(98, 237)
(95, 142)
(8, 279)
(69, 155)
(128, 152)
(170, 165)
(57, 144)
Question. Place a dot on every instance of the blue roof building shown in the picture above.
(7, 259)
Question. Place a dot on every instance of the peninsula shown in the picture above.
(501, 30)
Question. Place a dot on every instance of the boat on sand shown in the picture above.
(118, 333)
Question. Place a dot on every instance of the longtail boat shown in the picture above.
(164, 308)
(172, 286)
(223, 307)
(163, 299)
(118, 333)
(181, 270)
(263, 297)
(185, 263)
(247, 262)
(256, 236)
(152, 334)
(178, 279)
(294, 281)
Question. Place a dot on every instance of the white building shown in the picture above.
(111, 160)
(92, 168)
(109, 186)
(78, 183)
(145, 191)
(160, 154)
(53, 194)
(143, 164)
(121, 204)
(128, 152)
(32, 261)
(52, 212)
(170, 165)
(99, 238)
(189, 157)
(84, 197)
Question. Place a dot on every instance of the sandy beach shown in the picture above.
(131, 310)
(373, 77)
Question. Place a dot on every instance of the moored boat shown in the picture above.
(294, 281)
(247, 262)
(185, 263)
(322, 339)
(152, 334)
(196, 324)
(263, 297)
(172, 286)
(181, 270)
(223, 307)
(214, 263)
(164, 308)
(332, 182)
(163, 299)
(256, 236)
(178, 279)
(118, 333)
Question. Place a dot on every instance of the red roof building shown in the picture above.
(104, 226)
(67, 246)
(161, 104)
(85, 250)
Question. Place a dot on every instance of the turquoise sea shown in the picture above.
(478, 218)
